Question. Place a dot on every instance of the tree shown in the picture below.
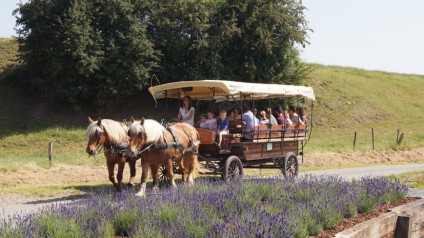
(256, 40)
(95, 50)
(80, 51)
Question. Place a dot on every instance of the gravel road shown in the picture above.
(384, 170)
(17, 204)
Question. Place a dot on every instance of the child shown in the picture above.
(211, 121)
(202, 121)
(222, 125)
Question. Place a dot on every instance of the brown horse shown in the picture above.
(158, 145)
(112, 136)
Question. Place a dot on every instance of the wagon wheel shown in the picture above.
(163, 176)
(233, 169)
(290, 166)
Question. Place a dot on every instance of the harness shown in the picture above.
(175, 144)
(117, 149)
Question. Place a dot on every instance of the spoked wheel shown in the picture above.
(290, 166)
(233, 169)
(163, 176)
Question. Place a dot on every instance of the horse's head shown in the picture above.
(137, 134)
(97, 136)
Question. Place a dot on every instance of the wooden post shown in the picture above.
(397, 135)
(354, 141)
(403, 227)
(373, 139)
(399, 141)
(50, 153)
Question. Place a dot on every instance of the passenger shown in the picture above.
(222, 126)
(288, 121)
(293, 115)
(211, 121)
(280, 107)
(233, 115)
(302, 115)
(272, 120)
(264, 120)
(186, 112)
(250, 121)
(281, 119)
(257, 117)
(202, 123)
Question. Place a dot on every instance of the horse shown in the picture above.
(112, 136)
(157, 145)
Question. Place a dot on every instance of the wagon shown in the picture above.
(268, 146)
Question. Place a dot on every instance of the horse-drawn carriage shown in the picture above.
(175, 149)
(274, 146)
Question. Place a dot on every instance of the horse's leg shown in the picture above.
(182, 169)
(121, 166)
(170, 169)
(110, 169)
(144, 173)
(189, 167)
(155, 176)
(132, 164)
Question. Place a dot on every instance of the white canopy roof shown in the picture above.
(221, 90)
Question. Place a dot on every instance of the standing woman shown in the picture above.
(186, 112)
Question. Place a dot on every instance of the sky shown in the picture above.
(383, 35)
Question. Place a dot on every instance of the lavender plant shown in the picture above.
(253, 208)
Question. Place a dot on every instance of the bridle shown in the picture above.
(99, 135)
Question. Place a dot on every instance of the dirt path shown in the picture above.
(63, 174)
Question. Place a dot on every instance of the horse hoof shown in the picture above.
(189, 182)
(130, 185)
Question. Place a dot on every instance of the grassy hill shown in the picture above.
(348, 100)
(351, 99)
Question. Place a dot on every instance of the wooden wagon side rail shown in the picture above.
(263, 133)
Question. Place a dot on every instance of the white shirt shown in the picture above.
(185, 113)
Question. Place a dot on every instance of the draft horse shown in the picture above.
(112, 137)
(157, 145)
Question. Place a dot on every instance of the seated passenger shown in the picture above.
(211, 121)
(279, 115)
(202, 123)
(271, 118)
(288, 121)
(186, 112)
(250, 121)
(293, 115)
(222, 125)
(264, 120)
(302, 116)
(233, 115)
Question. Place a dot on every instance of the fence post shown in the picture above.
(399, 141)
(373, 139)
(354, 141)
(50, 153)
(397, 135)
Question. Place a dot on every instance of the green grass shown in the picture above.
(412, 179)
(348, 100)
(8, 52)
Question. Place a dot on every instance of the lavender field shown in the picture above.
(252, 208)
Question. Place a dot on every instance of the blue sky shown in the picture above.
(385, 35)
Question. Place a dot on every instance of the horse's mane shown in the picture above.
(154, 130)
(117, 132)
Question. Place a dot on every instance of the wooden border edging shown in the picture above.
(403, 221)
